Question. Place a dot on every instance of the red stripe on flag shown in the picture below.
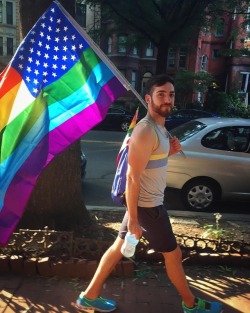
(8, 79)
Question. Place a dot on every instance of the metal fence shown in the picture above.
(62, 244)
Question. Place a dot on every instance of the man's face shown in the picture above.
(162, 99)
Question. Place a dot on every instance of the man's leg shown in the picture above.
(108, 261)
(175, 271)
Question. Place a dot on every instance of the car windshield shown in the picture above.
(187, 130)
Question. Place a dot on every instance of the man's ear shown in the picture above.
(147, 98)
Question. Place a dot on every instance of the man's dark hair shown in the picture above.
(156, 81)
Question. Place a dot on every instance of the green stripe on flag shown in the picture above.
(13, 134)
(74, 79)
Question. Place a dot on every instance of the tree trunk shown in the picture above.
(37, 8)
(162, 57)
(56, 200)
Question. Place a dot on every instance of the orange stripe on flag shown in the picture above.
(6, 106)
(9, 78)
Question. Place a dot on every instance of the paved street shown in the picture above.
(101, 149)
(151, 293)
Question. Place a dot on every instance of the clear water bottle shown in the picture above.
(129, 245)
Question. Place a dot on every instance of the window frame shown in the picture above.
(149, 52)
(171, 57)
(1, 12)
(9, 15)
(121, 44)
(1, 46)
(204, 61)
(182, 54)
(10, 48)
(220, 28)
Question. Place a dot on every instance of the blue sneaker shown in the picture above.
(98, 304)
(202, 306)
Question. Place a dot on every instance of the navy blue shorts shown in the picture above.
(157, 229)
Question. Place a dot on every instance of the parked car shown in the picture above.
(116, 119)
(182, 116)
(217, 163)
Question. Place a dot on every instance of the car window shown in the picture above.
(228, 138)
(187, 130)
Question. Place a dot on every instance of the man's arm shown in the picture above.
(140, 148)
(175, 146)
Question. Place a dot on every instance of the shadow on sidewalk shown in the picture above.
(151, 293)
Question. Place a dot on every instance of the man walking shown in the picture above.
(149, 149)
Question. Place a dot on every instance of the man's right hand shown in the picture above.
(135, 228)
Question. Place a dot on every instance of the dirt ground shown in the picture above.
(108, 223)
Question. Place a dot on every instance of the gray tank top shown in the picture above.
(153, 178)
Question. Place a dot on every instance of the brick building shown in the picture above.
(9, 33)
(137, 64)
(203, 54)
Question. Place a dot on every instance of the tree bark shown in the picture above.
(31, 10)
(162, 57)
(57, 200)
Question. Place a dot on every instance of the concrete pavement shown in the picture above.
(179, 213)
(145, 292)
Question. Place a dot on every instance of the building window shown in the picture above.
(122, 40)
(9, 13)
(150, 50)
(245, 82)
(10, 50)
(245, 87)
(200, 97)
(204, 63)
(133, 79)
(110, 44)
(171, 57)
(135, 51)
(81, 13)
(1, 45)
(216, 53)
(182, 57)
(248, 25)
(220, 28)
(1, 12)
(205, 30)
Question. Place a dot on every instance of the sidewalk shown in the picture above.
(151, 293)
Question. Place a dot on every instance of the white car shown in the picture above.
(216, 165)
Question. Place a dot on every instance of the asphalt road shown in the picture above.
(101, 149)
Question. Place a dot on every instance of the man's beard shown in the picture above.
(158, 110)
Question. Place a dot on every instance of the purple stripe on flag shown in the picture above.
(51, 145)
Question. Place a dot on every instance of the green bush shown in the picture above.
(231, 105)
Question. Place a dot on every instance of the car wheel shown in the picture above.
(125, 126)
(200, 194)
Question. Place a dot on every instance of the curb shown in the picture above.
(71, 268)
(85, 269)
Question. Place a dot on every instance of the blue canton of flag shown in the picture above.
(54, 47)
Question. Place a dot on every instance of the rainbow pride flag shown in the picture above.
(55, 89)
